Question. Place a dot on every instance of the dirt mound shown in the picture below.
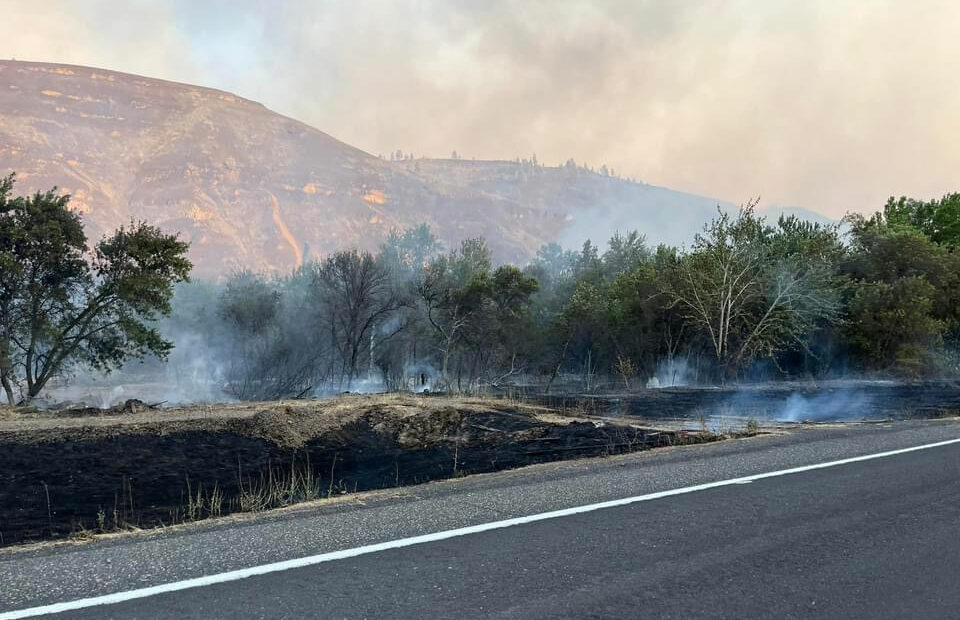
(440, 426)
(407, 421)
(293, 427)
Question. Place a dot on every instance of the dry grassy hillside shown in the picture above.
(249, 187)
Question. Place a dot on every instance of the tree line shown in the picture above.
(748, 299)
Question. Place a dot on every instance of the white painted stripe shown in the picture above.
(243, 573)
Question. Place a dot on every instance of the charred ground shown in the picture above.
(69, 475)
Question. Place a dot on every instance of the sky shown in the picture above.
(829, 105)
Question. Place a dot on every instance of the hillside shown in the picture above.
(250, 187)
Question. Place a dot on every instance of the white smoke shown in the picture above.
(671, 372)
(841, 405)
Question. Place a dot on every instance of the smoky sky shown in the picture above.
(831, 105)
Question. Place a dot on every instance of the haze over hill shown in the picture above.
(252, 188)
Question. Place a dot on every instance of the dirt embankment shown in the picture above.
(60, 475)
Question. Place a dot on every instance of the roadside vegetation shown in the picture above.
(64, 303)
(748, 299)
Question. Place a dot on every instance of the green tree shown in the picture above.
(249, 303)
(754, 290)
(635, 314)
(625, 253)
(585, 319)
(891, 261)
(451, 292)
(510, 294)
(407, 252)
(63, 303)
(938, 219)
(891, 324)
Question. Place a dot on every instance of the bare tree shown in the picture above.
(446, 309)
(356, 292)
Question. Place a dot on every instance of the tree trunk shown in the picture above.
(6, 371)
(7, 388)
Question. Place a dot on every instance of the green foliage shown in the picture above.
(938, 220)
(553, 264)
(249, 303)
(407, 252)
(885, 253)
(62, 303)
(636, 314)
(904, 312)
(751, 290)
(625, 253)
(891, 324)
(510, 291)
(786, 295)
(474, 312)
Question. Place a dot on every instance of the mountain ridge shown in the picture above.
(252, 188)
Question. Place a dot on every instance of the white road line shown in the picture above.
(243, 573)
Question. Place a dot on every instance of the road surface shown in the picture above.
(860, 521)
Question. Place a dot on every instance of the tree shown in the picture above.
(476, 316)
(892, 326)
(264, 360)
(905, 302)
(754, 290)
(355, 290)
(552, 263)
(510, 291)
(587, 264)
(585, 321)
(636, 311)
(406, 252)
(506, 334)
(62, 303)
(248, 303)
(11, 319)
(939, 219)
(625, 252)
(451, 292)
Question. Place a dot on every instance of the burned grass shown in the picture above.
(64, 474)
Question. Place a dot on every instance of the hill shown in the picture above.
(252, 188)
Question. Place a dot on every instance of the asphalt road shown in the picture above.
(873, 538)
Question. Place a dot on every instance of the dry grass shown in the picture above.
(289, 423)
(278, 488)
(8, 413)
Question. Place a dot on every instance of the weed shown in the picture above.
(215, 503)
(80, 533)
(276, 488)
(46, 490)
(194, 503)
